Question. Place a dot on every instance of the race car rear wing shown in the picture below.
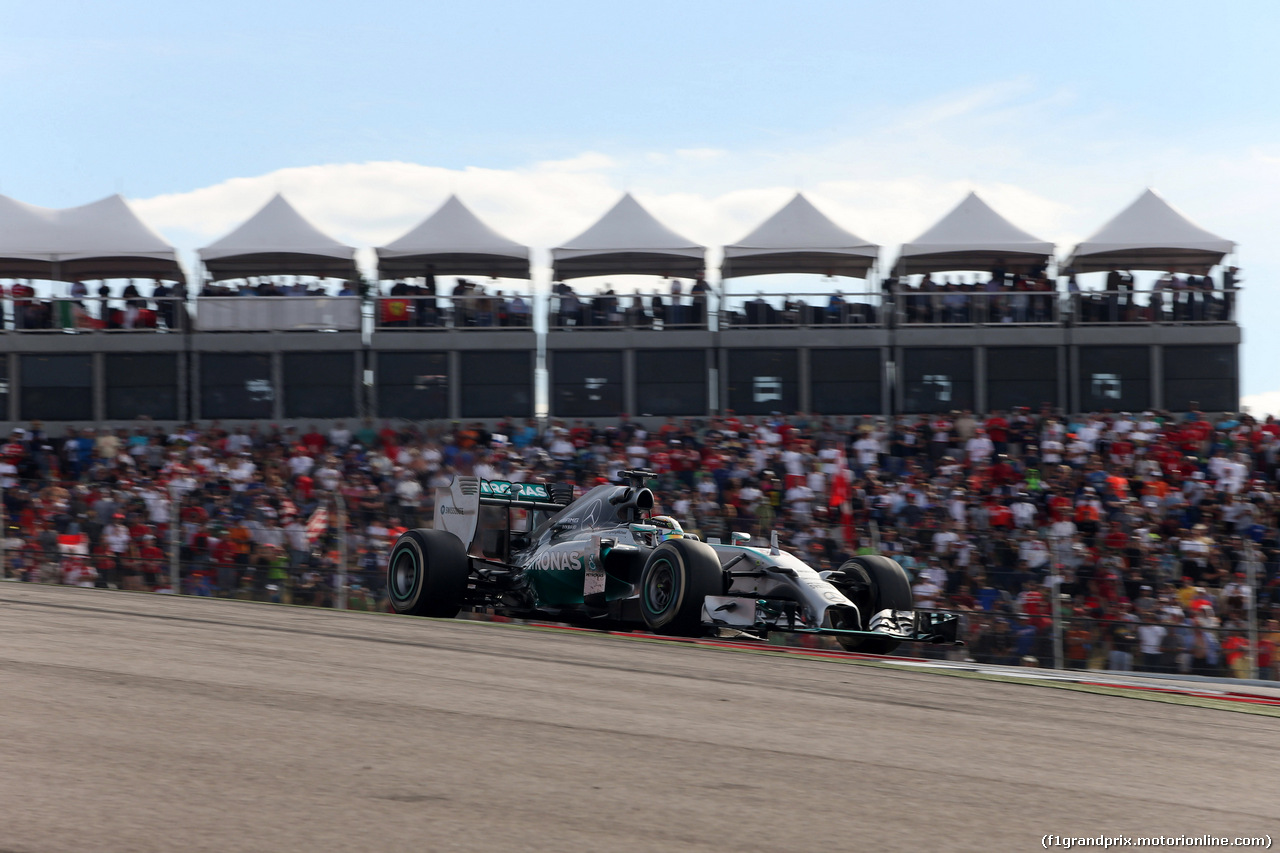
(540, 495)
(458, 504)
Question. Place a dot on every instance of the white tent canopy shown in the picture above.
(973, 237)
(799, 238)
(277, 240)
(628, 241)
(104, 239)
(1150, 234)
(453, 241)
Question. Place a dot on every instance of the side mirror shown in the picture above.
(739, 538)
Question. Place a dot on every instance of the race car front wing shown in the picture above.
(938, 629)
(762, 616)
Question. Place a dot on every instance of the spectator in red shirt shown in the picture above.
(151, 561)
(1000, 516)
(998, 431)
(314, 441)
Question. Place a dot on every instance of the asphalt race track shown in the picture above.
(150, 723)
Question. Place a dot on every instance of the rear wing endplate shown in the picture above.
(458, 504)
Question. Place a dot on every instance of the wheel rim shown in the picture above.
(660, 588)
(404, 574)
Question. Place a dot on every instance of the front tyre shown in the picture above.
(675, 581)
(427, 573)
(878, 584)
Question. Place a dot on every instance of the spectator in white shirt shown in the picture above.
(1024, 511)
(980, 447)
(867, 450)
(340, 436)
(926, 592)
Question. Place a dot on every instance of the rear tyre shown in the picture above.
(677, 577)
(880, 584)
(427, 574)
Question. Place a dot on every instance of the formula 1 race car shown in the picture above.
(529, 551)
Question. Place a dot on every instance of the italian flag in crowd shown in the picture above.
(317, 524)
(842, 494)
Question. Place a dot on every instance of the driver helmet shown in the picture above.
(668, 527)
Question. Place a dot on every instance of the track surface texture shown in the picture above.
(151, 723)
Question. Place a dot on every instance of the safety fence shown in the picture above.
(324, 575)
(1159, 641)
(208, 538)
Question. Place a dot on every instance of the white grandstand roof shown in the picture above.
(628, 240)
(453, 241)
(277, 240)
(1150, 234)
(799, 238)
(972, 237)
(103, 239)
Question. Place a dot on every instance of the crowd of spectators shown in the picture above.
(1156, 536)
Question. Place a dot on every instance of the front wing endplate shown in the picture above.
(934, 628)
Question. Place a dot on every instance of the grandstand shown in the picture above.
(281, 328)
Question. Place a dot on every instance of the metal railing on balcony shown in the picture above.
(956, 307)
(278, 313)
(953, 307)
(907, 307)
(631, 311)
(1156, 306)
(89, 314)
(803, 310)
(490, 312)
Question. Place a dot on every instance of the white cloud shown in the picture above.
(700, 155)
(1261, 405)
(980, 100)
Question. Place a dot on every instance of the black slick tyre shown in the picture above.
(427, 573)
(879, 584)
(677, 577)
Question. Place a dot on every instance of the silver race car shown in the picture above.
(528, 551)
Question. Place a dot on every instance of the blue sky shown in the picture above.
(166, 97)
(712, 113)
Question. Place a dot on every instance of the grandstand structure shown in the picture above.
(901, 342)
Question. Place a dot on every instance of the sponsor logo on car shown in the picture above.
(560, 561)
(504, 489)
